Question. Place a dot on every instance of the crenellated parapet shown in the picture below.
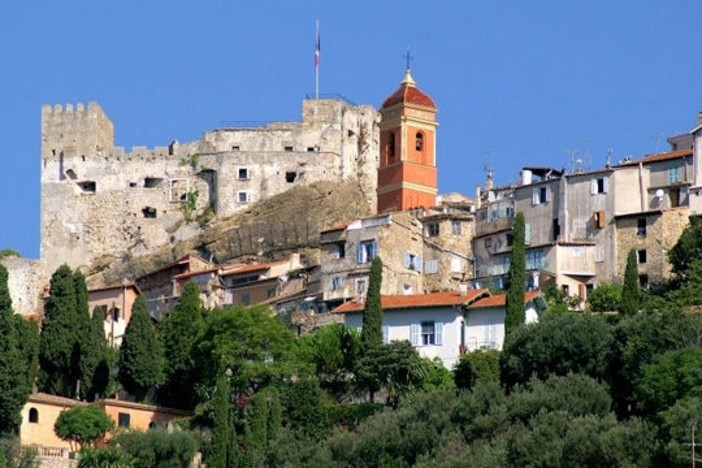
(75, 131)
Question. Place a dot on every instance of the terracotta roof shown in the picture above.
(54, 400)
(338, 227)
(252, 268)
(124, 284)
(408, 93)
(651, 158)
(189, 274)
(142, 406)
(499, 300)
(413, 301)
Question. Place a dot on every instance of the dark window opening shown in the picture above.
(311, 149)
(115, 312)
(556, 229)
(350, 134)
(153, 425)
(566, 289)
(600, 186)
(149, 212)
(33, 415)
(510, 239)
(641, 227)
(71, 174)
(674, 194)
(290, 177)
(132, 184)
(288, 148)
(432, 229)
(123, 419)
(641, 256)
(428, 333)
(235, 148)
(419, 142)
(82, 157)
(391, 148)
(341, 250)
(243, 173)
(152, 182)
(643, 281)
(88, 186)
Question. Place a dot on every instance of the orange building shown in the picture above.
(407, 170)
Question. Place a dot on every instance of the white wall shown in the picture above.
(399, 322)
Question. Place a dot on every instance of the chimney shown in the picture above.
(463, 289)
(699, 118)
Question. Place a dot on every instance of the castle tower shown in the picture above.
(407, 169)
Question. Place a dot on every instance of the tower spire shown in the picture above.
(408, 80)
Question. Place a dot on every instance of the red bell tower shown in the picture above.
(407, 170)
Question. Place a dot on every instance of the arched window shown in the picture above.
(419, 141)
(33, 415)
(391, 148)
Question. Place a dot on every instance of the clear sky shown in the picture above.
(516, 82)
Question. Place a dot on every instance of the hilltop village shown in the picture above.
(288, 217)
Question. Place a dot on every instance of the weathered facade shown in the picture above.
(100, 202)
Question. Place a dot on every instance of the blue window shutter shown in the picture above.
(386, 333)
(408, 260)
(359, 254)
(419, 263)
(438, 333)
(374, 250)
(414, 334)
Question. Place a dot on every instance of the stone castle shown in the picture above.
(100, 202)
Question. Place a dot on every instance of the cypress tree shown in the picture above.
(28, 343)
(86, 352)
(14, 386)
(222, 449)
(140, 356)
(372, 332)
(180, 330)
(514, 308)
(59, 336)
(630, 290)
(95, 368)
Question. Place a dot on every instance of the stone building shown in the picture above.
(100, 202)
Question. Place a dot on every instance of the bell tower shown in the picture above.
(407, 170)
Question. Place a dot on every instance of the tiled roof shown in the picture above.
(190, 274)
(651, 158)
(141, 406)
(252, 268)
(54, 400)
(413, 301)
(125, 284)
(499, 300)
(338, 227)
(409, 94)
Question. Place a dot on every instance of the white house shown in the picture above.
(442, 324)
(485, 319)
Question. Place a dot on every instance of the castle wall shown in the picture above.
(100, 202)
(25, 283)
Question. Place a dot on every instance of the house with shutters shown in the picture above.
(443, 325)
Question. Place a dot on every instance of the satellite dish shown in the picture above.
(659, 193)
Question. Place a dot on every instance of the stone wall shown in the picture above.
(25, 282)
(100, 201)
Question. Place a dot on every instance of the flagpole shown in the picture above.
(317, 52)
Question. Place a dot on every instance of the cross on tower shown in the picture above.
(409, 58)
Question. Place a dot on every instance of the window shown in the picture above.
(290, 176)
(235, 148)
(426, 333)
(246, 298)
(123, 419)
(361, 287)
(527, 233)
(488, 242)
(456, 264)
(641, 227)
(431, 267)
(115, 313)
(510, 239)
(242, 196)
(386, 334)
(149, 212)
(556, 229)
(336, 283)
(641, 256)
(367, 251)
(643, 281)
(598, 219)
(534, 259)
(243, 173)
(340, 250)
(270, 292)
(540, 195)
(419, 141)
(673, 175)
(33, 415)
(288, 148)
(88, 186)
(599, 254)
(413, 262)
(178, 190)
(456, 227)
(152, 182)
(432, 229)
(391, 148)
(599, 185)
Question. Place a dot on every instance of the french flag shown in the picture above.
(317, 47)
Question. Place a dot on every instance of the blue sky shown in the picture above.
(516, 83)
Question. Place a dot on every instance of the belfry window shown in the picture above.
(419, 141)
(391, 148)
